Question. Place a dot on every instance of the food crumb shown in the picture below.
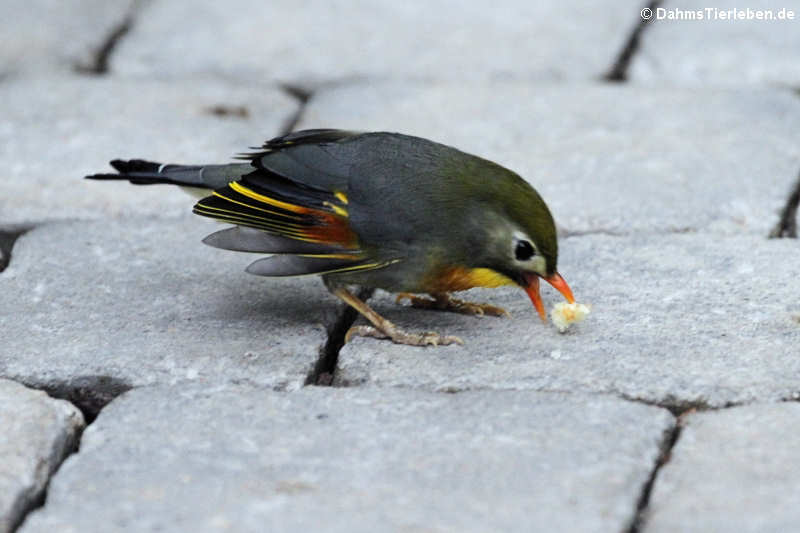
(564, 314)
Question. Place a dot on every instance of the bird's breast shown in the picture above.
(460, 278)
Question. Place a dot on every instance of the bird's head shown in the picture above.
(522, 241)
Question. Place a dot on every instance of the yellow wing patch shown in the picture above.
(324, 222)
(241, 189)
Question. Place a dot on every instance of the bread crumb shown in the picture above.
(564, 314)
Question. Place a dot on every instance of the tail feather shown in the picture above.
(135, 165)
(141, 172)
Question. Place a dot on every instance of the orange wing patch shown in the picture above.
(326, 222)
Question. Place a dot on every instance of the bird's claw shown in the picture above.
(399, 336)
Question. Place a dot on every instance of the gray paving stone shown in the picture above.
(691, 318)
(733, 470)
(144, 301)
(715, 51)
(54, 131)
(607, 158)
(37, 432)
(316, 42)
(321, 459)
(46, 36)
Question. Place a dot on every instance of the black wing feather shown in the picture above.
(312, 136)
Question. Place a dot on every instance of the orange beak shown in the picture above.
(533, 291)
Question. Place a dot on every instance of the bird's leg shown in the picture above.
(442, 301)
(384, 329)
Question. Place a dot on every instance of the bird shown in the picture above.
(378, 210)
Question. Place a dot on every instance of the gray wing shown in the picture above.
(392, 181)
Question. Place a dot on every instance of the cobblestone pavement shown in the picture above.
(148, 384)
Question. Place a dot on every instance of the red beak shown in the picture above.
(533, 291)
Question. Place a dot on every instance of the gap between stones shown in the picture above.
(8, 237)
(619, 71)
(668, 442)
(97, 65)
(324, 369)
(303, 96)
(41, 498)
(787, 225)
(90, 394)
(679, 408)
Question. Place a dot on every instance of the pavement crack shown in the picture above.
(229, 111)
(619, 71)
(89, 394)
(787, 225)
(324, 369)
(677, 406)
(8, 237)
(668, 442)
(97, 64)
(303, 96)
(41, 498)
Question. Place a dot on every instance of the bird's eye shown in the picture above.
(523, 251)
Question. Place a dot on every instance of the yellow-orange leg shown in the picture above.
(442, 301)
(384, 329)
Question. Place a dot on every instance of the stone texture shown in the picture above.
(143, 301)
(685, 318)
(316, 42)
(321, 459)
(37, 432)
(49, 36)
(605, 158)
(54, 131)
(719, 52)
(733, 470)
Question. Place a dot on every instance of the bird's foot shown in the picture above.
(399, 336)
(444, 302)
(384, 329)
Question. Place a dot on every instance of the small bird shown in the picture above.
(376, 210)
